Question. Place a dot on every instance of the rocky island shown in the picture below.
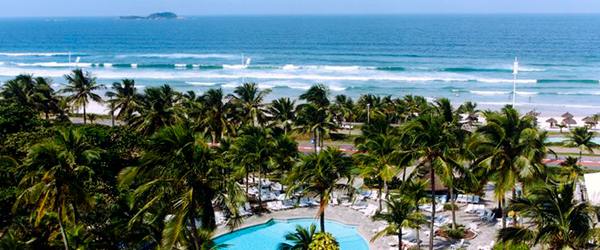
(154, 16)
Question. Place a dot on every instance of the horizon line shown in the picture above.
(326, 14)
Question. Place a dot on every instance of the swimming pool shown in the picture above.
(268, 235)
(562, 139)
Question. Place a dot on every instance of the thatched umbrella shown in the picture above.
(533, 113)
(590, 121)
(552, 122)
(569, 121)
(567, 115)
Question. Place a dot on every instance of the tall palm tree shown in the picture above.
(183, 173)
(253, 149)
(81, 86)
(45, 99)
(504, 145)
(583, 139)
(157, 108)
(416, 191)
(249, 99)
(321, 174)
(57, 171)
(469, 109)
(300, 239)
(343, 109)
(282, 112)
(401, 212)
(318, 121)
(215, 119)
(436, 142)
(558, 221)
(380, 159)
(21, 90)
(318, 95)
(123, 98)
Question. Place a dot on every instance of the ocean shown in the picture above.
(461, 57)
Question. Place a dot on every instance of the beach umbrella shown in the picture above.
(552, 122)
(567, 115)
(533, 113)
(569, 121)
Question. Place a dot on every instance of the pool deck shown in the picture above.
(366, 226)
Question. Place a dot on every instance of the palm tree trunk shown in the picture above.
(379, 196)
(580, 186)
(502, 210)
(192, 219)
(322, 215)
(208, 212)
(84, 115)
(400, 245)
(431, 231)
(386, 190)
(112, 118)
(315, 140)
(60, 225)
(247, 184)
(418, 238)
(259, 189)
(452, 205)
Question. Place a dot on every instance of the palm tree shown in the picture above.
(436, 140)
(573, 172)
(45, 99)
(282, 112)
(21, 90)
(400, 213)
(253, 150)
(300, 239)
(558, 221)
(416, 191)
(583, 139)
(317, 95)
(157, 108)
(181, 172)
(57, 171)
(324, 241)
(470, 110)
(343, 109)
(321, 174)
(123, 98)
(504, 146)
(215, 118)
(249, 99)
(380, 160)
(81, 85)
(315, 120)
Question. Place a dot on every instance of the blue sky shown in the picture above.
(12, 8)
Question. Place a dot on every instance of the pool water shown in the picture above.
(267, 236)
(562, 139)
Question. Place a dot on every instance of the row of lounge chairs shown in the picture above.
(467, 198)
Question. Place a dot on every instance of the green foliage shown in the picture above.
(16, 118)
(449, 206)
(298, 240)
(324, 241)
(510, 246)
(457, 233)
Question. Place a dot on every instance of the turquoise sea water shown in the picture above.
(462, 57)
(267, 236)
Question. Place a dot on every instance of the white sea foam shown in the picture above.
(336, 87)
(290, 67)
(579, 93)
(230, 85)
(54, 65)
(507, 80)
(107, 65)
(180, 65)
(134, 65)
(489, 93)
(526, 93)
(234, 66)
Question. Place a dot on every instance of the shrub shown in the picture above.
(448, 206)
(324, 241)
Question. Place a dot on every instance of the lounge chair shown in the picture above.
(458, 245)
